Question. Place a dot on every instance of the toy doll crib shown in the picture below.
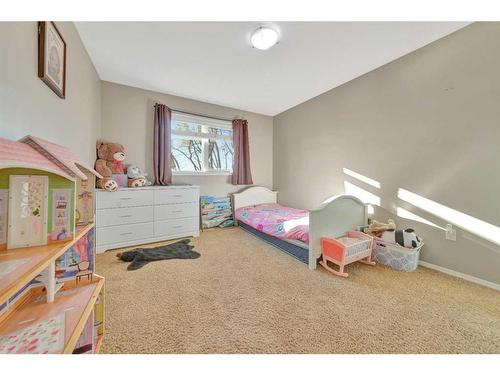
(352, 247)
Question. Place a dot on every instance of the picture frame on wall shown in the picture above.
(52, 57)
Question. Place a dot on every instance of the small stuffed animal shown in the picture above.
(110, 160)
(376, 228)
(136, 177)
(405, 238)
(133, 171)
(136, 182)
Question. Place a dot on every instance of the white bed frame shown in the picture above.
(333, 218)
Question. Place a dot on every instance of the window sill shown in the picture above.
(202, 173)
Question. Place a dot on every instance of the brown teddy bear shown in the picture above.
(136, 182)
(110, 161)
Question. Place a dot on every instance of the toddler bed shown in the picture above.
(296, 232)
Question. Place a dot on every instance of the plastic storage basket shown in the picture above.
(396, 256)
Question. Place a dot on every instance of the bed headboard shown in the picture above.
(254, 195)
(334, 218)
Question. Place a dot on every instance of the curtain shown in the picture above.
(241, 165)
(162, 145)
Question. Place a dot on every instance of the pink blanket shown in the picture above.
(276, 220)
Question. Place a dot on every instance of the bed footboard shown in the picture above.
(334, 218)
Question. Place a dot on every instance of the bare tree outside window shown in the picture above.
(201, 147)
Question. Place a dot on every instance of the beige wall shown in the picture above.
(127, 118)
(29, 106)
(428, 122)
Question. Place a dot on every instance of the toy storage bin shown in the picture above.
(396, 256)
(352, 247)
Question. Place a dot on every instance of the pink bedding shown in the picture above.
(275, 220)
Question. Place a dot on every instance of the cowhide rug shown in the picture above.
(140, 257)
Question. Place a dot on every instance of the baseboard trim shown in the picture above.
(472, 279)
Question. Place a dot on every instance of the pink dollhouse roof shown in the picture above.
(20, 155)
(63, 157)
(33, 152)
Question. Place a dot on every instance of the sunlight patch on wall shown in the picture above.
(360, 177)
(362, 194)
(405, 214)
(469, 223)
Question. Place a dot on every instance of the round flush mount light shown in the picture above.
(264, 38)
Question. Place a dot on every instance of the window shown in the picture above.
(201, 145)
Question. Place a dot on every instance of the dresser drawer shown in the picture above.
(124, 233)
(176, 226)
(124, 198)
(175, 211)
(175, 195)
(126, 215)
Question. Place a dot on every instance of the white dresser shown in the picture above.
(132, 216)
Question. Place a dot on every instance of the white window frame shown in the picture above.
(204, 121)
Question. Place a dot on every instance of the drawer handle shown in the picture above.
(126, 216)
(177, 226)
(177, 195)
(126, 199)
(126, 233)
(174, 212)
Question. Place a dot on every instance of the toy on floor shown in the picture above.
(354, 246)
(376, 228)
(403, 237)
(136, 177)
(109, 162)
(140, 257)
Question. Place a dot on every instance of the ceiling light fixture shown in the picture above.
(264, 38)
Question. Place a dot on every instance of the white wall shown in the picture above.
(29, 106)
(428, 122)
(127, 118)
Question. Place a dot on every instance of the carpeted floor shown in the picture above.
(244, 296)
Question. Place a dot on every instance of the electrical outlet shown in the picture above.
(451, 234)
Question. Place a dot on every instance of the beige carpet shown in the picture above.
(244, 296)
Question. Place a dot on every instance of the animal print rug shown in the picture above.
(140, 257)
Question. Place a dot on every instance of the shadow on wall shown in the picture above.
(467, 223)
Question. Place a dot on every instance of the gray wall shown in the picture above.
(29, 106)
(127, 118)
(428, 122)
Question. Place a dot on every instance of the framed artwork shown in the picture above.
(52, 58)
(85, 200)
(28, 200)
(61, 208)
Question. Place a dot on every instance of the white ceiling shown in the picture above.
(214, 62)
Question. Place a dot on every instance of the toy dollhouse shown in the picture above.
(51, 300)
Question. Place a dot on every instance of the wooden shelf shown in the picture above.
(34, 260)
(76, 301)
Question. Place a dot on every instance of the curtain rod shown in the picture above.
(200, 115)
